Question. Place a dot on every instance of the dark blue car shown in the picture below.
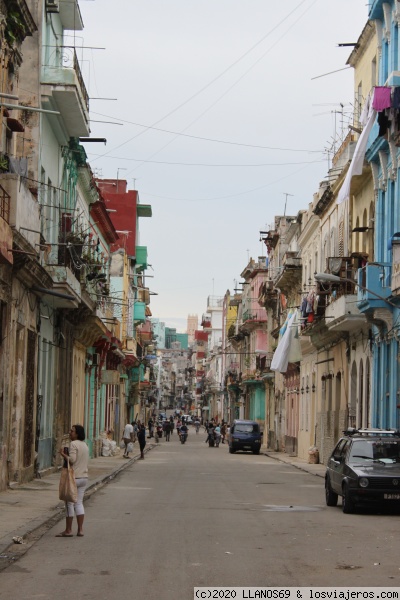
(245, 435)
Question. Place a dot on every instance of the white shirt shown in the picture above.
(128, 430)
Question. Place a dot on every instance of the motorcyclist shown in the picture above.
(184, 431)
(197, 425)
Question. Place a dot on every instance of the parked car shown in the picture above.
(245, 435)
(363, 468)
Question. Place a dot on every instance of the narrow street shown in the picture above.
(190, 515)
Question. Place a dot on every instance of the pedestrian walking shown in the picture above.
(151, 427)
(78, 454)
(135, 430)
(223, 432)
(141, 436)
(128, 437)
(167, 430)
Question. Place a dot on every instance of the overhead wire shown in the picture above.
(232, 86)
(165, 162)
(198, 137)
(210, 82)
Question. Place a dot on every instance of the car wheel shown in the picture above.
(256, 451)
(231, 450)
(330, 496)
(347, 503)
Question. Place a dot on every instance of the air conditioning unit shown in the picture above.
(52, 6)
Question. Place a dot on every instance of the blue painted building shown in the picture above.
(379, 291)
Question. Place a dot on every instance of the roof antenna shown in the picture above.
(286, 194)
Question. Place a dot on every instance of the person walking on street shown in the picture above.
(142, 439)
(171, 422)
(151, 426)
(78, 454)
(128, 437)
(223, 432)
(167, 430)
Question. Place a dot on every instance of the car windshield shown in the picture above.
(243, 428)
(369, 450)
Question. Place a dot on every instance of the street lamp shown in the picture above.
(329, 278)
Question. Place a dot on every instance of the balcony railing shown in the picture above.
(4, 204)
(255, 315)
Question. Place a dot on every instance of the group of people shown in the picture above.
(216, 433)
(132, 432)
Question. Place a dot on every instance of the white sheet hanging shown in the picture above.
(357, 162)
(288, 349)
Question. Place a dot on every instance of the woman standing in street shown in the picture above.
(79, 458)
(141, 436)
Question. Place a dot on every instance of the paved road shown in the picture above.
(190, 515)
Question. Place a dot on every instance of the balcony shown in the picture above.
(289, 276)
(252, 377)
(342, 314)
(214, 303)
(206, 322)
(23, 208)
(70, 15)
(141, 258)
(373, 292)
(253, 319)
(64, 283)
(63, 90)
(139, 312)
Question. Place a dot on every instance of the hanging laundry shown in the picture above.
(357, 162)
(382, 98)
(365, 111)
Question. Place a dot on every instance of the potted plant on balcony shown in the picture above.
(4, 163)
(76, 240)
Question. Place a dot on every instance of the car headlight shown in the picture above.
(363, 482)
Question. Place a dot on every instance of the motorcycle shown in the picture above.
(183, 436)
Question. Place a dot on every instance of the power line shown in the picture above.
(211, 82)
(165, 162)
(198, 137)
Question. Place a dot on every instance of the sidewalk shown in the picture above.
(318, 470)
(30, 509)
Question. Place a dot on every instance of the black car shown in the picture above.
(364, 468)
(244, 435)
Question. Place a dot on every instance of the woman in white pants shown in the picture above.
(79, 458)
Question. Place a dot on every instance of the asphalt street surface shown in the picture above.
(189, 515)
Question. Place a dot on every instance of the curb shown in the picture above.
(37, 527)
(299, 466)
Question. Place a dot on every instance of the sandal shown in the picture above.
(65, 534)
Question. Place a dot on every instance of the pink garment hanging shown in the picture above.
(382, 98)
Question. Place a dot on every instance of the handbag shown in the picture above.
(67, 489)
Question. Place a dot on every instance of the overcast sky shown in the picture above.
(241, 75)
